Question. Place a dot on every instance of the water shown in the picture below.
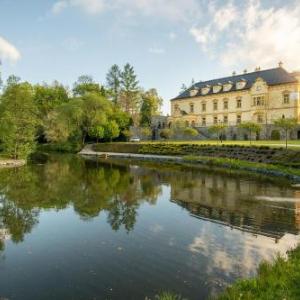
(75, 228)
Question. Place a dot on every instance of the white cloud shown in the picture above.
(8, 51)
(89, 6)
(156, 50)
(252, 34)
(176, 10)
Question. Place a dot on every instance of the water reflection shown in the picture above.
(165, 227)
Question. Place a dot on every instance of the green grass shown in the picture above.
(277, 280)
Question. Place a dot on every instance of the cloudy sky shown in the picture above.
(169, 42)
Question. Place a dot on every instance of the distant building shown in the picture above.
(261, 96)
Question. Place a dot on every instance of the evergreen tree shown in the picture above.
(113, 82)
(85, 84)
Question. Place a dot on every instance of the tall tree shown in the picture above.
(151, 104)
(18, 119)
(129, 96)
(113, 82)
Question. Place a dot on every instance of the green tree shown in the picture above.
(97, 132)
(146, 132)
(286, 124)
(250, 127)
(151, 104)
(166, 133)
(18, 117)
(112, 130)
(85, 84)
(113, 82)
(129, 98)
(190, 132)
(218, 129)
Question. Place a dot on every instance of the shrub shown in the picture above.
(275, 135)
(165, 133)
(190, 132)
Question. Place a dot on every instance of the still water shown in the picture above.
(75, 228)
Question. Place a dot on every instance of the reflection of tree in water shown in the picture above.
(67, 180)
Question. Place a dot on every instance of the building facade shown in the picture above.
(261, 96)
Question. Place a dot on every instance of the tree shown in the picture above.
(166, 133)
(146, 132)
(218, 129)
(286, 124)
(97, 132)
(129, 98)
(151, 104)
(85, 84)
(190, 132)
(112, 130)
(18, 116)
(113, 82)
(250, 127)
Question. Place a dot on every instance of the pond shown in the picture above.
(78, 228)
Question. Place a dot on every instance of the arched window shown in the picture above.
(193, 123)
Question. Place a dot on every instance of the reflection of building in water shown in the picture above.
(236, 203)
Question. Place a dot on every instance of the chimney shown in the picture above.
(245, 71)
(280, 64)
(257, 69)
(233, 73)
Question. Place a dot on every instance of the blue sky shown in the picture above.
(169, 42)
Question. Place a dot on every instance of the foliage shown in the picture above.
(151, 104)
(286, 124)
(218, 129)
(146, 132)
(165, 133)
(112, 130)
(85, 84)
(277, 280)
(18, 115)
(275, 135)
(168, 296)
(190, 132)
(97, 132)
(113, 82)
(250, 127)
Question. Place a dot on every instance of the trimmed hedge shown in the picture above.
(265, 154)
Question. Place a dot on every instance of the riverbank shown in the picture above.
(277, 280)
(180, 154)
(11, 163)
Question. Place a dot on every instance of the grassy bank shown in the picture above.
(277, 280)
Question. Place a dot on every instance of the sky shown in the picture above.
(168, 42)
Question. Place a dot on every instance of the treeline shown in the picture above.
(54, 114)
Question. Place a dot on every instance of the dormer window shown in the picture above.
(205, 90)
(241, 84)
(217, 88)
(227, 86)
(193, 92)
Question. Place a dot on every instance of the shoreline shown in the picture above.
(232, 164)
(11, 163)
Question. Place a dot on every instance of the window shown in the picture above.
(260, 118)
(203, 106)
(239, 103)
(203, 121)
(225, 106)
(176, 107)
(238, 119)
(193, 123)
(215, 120)
(225, 119)
(259, 101)
(215, 105)
(286, 98)
(191, 108)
